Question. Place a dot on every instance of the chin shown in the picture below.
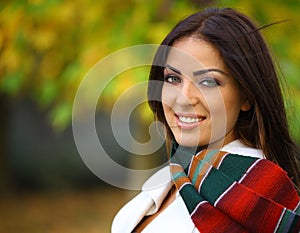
(189, 143)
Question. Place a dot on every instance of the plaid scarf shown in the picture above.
(226, 192)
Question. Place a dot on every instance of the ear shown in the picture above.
(246, 105)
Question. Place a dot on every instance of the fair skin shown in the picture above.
(198, 92)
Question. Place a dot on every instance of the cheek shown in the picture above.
(232, 107)
(164, 96)
(167, 101)
(215, 104)
(168, 96)
(224, 110)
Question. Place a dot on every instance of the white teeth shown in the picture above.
(189, 119)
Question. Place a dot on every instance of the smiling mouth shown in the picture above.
(189, 120)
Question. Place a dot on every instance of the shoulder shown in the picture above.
(237, 147)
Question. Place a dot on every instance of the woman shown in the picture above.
(220, 100)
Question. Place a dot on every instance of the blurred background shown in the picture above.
(46, 48)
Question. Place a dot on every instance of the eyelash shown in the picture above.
(167, 77)
(215, 82)
(202, 81)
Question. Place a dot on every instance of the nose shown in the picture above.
(189, 94)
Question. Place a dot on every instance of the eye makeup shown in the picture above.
(206, 80)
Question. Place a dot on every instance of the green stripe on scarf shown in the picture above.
(295, 225)
(214, 185)
(286, 221)
(235, 166)
(191, 197)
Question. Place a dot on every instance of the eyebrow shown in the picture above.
(173, 69)
(204, 71)
(199, 72)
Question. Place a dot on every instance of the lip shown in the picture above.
(185, 125)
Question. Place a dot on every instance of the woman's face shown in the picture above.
(201, 101)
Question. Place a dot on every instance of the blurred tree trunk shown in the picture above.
(5, 178)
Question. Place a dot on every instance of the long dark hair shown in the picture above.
(248, 60)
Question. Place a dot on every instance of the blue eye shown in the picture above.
(172, 79)
(209, 82)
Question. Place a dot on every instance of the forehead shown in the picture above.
(191, 54)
